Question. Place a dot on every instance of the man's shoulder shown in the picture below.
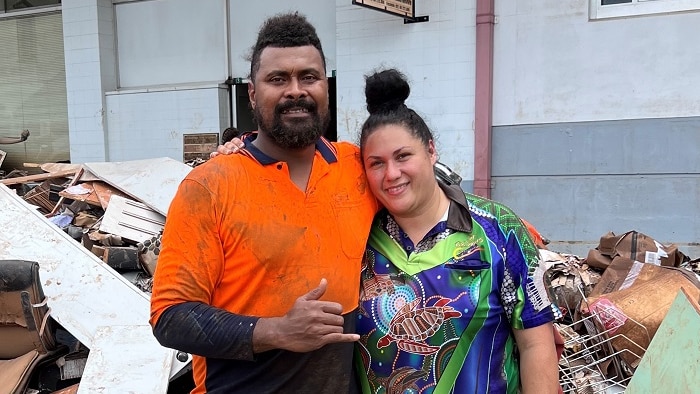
(346, 148)
(221, 168)
(347, 152)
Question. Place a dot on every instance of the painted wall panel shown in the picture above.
(643, 146)
(554, 65)
(148, 124)
(171, 42)
(575, 211)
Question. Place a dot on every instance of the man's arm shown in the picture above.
(207, 331)
(539, 372)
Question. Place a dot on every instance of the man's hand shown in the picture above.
(232, 146)
(308, 325)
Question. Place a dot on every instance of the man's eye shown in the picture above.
(309, 78)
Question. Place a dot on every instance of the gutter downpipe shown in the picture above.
(483, 118)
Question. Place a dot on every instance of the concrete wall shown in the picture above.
(88, 39)
(597, 123)
(438, 58)
(554, 65)
(151, 123)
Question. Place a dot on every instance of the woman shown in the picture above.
(446, 305)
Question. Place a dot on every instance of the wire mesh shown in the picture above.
(597, 357)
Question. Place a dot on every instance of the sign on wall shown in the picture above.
(402, 8)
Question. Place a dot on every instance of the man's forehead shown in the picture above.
(307, 55)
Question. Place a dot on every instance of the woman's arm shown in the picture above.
(539, 372)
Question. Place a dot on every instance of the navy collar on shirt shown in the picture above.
(324, 147)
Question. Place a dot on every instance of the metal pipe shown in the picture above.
(483, 111)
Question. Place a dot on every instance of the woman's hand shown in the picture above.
(232, 146)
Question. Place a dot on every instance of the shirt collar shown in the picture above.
(458, 217)
(323, 146)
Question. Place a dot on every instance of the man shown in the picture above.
(259, 273)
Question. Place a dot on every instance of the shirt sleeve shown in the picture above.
(525, 306)
(206, 331)
(189, 268)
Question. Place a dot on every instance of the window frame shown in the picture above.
(39, 9)
(640, 8)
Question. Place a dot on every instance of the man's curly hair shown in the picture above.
(284, 31)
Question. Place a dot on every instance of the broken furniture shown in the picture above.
(26, 331)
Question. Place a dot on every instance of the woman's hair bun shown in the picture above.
(386, 90)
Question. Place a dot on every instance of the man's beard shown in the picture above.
(296, 133)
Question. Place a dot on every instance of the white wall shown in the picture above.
(88, 34)
(171, 42)
(148, 124)
(437, 56)
(554, 65)
(247, 16)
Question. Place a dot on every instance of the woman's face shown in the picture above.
(399, 169)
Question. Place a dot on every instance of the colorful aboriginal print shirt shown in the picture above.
(437, 317)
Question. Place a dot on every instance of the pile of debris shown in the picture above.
(94, 230)
(613, 303)
(99, 206)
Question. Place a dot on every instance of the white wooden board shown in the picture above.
(83, 292)
(152, 181)
(131, 219)
(108, 371)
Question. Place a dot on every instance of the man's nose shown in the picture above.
(295, 89)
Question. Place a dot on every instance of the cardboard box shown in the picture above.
(631, 300)
(640, 247)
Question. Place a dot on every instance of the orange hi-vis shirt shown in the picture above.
(242, 237)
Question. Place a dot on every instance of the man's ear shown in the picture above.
(251, 94)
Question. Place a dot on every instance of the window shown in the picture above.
(33, 89)
(22, 5)
(603, 9)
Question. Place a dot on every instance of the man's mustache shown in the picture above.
(299, 103)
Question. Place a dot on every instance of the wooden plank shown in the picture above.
(53, 167)
(109, 371)
(68, 390)
(671, 364)
(105, 192)
(83, 292)
(59, 204)
(37, 177)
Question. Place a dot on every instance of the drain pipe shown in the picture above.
(483, 119)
